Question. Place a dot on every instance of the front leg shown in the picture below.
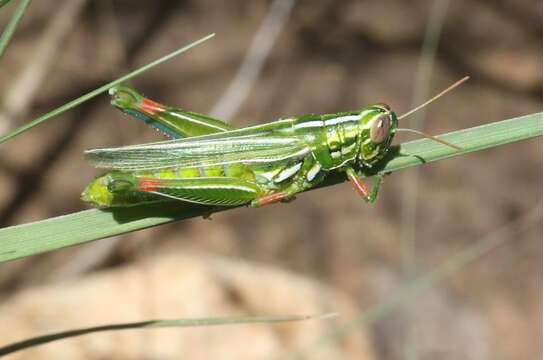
(362, 189)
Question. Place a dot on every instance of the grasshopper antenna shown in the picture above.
(441, 141)
(453, 86)
(410, 112)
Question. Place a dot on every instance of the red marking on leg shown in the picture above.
(359, 185)
(151, 107)
(272, 198)
(149, 184)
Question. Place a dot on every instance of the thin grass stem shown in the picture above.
(6, 36)
(100, 90)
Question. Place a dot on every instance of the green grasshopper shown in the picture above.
(209, 162)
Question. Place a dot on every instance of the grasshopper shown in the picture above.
(209, 162)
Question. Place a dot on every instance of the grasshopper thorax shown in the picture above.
(377, 127)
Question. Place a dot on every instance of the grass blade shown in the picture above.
(4, 2)
(100, 90)
(13, 23)
(77, 228)
(189, 322)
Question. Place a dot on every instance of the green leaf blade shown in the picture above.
(471, 140)
(69, 230)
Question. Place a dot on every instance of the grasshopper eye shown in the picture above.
(380, 129)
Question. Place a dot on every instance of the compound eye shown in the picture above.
(380, 129)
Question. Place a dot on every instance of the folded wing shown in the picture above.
(226, 148)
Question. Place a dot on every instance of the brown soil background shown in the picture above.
(331, 56)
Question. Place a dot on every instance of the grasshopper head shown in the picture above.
(378, 126)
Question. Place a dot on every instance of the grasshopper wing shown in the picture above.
(238, 146)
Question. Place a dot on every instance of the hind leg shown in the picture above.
(174, 122)
(221, 191)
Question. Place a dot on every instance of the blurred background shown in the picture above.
(325, 252)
